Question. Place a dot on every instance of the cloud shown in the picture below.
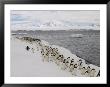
(68, 18)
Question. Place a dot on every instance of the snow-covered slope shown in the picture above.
(29, 62)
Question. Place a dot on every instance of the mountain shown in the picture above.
(53, 25)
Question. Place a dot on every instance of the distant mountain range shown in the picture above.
(54, 20)
(47, 25)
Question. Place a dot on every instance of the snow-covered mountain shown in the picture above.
(53, 24)
(54, 20)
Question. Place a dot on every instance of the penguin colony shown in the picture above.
(73, 64)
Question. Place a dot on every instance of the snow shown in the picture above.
(55, 20)
(30, 63)
(27, 64)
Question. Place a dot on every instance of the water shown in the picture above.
(86, 46)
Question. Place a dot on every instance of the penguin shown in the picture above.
(82, 71)
(33, 50)
(92, 73)
(71, 66)
(54, 54)
(45, 53)
(74, 72)
(63, 66)
(87, 72)
(67, 62)
(27, 48)
(59, 59)
(98, 74)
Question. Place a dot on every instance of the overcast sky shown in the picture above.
(22, 18)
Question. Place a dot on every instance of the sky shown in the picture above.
(52, 19)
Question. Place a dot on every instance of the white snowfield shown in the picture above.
(37, 61)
